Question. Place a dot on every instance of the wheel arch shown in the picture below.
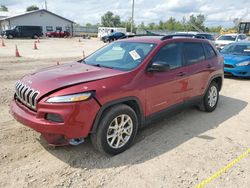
(132, 102)
(218, 78)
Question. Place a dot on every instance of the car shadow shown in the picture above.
(237, 78)
(154, 140)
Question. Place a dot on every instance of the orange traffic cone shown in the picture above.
(17, 52)
(35, 47)
(3, 43)
(38, 40)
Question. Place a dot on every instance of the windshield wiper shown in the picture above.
(99, 65)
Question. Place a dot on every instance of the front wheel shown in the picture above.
(210, 100)
(116, 131)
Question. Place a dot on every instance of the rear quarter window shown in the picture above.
(210, 53)
(193, 52)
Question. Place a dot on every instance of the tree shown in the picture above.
(3, 8)
(196, 23)
(88, 25)
(110, 20)
(31, 8)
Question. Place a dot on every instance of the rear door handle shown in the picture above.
(181, 74)
(209, 66)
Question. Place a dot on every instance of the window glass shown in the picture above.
(243, 37)
(227, 37)
(210, 53)
(49, 28)
(170, 54)
(120, 55)
(59, 28)
(237, 49)
(194, 52)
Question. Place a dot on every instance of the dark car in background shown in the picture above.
(58, 34)
(23, 32)
(113, 36)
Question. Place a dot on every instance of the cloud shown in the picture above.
(216, 12)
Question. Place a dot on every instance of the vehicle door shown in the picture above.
(198, 67)
(164, 89)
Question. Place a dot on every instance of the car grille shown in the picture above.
(26, 95)
(228, 66)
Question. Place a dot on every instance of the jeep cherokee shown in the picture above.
(119, 88)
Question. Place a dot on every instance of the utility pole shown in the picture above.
(132, 18)
(45, 5)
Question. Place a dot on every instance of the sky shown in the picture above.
(217, 12)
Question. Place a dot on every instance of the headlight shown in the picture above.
(245, 63)
(70, 98)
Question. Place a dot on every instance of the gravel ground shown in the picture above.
(179, 151)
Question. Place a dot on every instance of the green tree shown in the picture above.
(31, 8)
(152, 26)
(127, 24)
(196, 23)
(142, 25)
(110, 20)
(3, 8)
(88, 25)
(161, 25)
(170, 24)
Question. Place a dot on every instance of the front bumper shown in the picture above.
(77, 119)
(241, 71)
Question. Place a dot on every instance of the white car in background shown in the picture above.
(226, 39)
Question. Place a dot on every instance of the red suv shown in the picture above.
(118, 89)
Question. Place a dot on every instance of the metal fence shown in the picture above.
(83, 30)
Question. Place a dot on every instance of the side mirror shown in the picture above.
(159, 66)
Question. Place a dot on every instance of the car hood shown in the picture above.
(8, 30)
(223, 42)
(234, 59)
(61, 76)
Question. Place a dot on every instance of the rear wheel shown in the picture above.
(9, 36)
(210, 100)
(117, 130)
(35, 36)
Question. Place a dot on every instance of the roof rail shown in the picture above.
(182, 35)
(138, 35)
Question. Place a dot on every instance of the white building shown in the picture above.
(48, 20)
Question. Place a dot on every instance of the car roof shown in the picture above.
(233, 34)
(158, 39)
(241, 42)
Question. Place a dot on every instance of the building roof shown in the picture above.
(35, 11)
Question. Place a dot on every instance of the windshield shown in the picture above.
(227, 37)
(207, 36)
(237, 49)
(120, 55)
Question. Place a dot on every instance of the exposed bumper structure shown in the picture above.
(77, 119)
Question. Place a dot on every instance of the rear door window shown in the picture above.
(210, 53)
(193, 52)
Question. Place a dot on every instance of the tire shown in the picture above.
(10, 36)
(35, 36)
(111, 124)
(210, 99)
